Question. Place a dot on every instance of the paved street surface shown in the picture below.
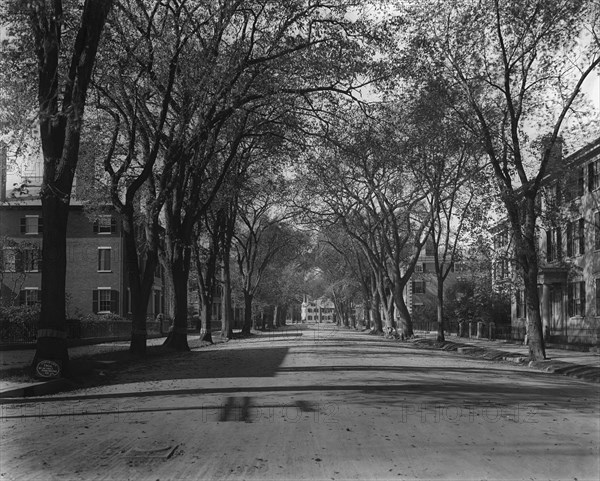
(316, 403)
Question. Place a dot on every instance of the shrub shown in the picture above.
(19, 323)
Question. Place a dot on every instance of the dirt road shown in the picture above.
(316, 403)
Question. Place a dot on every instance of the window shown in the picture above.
(31, 260)
(9, 260)
(104, 259)
(553, 196)
(105, 224)
(429, 248)
(105, 300)
(418, 287)
(501, 239)
(553, 245)
(419, 268)
(576, 298)
(29, 296)
(575, 238)
(598, 297)
(31, 225)
(502, 270)
(593, 175)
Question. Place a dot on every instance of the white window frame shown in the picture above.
(28, 290)
(100, 291)
(109, 249)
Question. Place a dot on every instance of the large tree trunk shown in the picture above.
(180, 268)
(535, 336)
(527, 258)
(140, 285)
(52, 335)
(247, 313)
(406, 326)
(376, 313)
(60, 129)
(440, 309)
(206, 320)
(227, 316)
(390, 323)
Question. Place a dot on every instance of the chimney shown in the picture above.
(556, 153)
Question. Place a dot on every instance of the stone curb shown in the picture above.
(577, 371)
(35, 389)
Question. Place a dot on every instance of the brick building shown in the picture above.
(96, 279)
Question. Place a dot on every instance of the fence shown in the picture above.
(78, 329)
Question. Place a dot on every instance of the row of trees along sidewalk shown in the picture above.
(179, 86)
(198, 112)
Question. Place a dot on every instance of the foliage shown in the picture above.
(19, 322)
(473, 300)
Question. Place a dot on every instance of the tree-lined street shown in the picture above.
(309, 403)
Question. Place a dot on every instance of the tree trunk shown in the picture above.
(390, 324)
(60, 129)
(527, 258)
(247, 313)
(440, 309)
(51, 336)
(536, 345)
(227, 316)
(406, 327)
(140, 285)
(376, 313)
(206, 320)
(177, 338)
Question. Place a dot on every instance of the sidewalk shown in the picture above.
(580, 365)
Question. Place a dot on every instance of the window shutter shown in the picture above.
(558, 244)
(95, 226)
(113, 225)
(569, 239)
(40, 225)
(581, 236)
(549, 245)
(582, 296)
(95, 301)
(22, 297)
(597, 230)
(23, 225)
(570, 300)
(424, 267)
(581, 183)
(114, 302)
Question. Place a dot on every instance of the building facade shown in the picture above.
(569, 252)
(96, 277)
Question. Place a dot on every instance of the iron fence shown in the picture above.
(77, 329)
